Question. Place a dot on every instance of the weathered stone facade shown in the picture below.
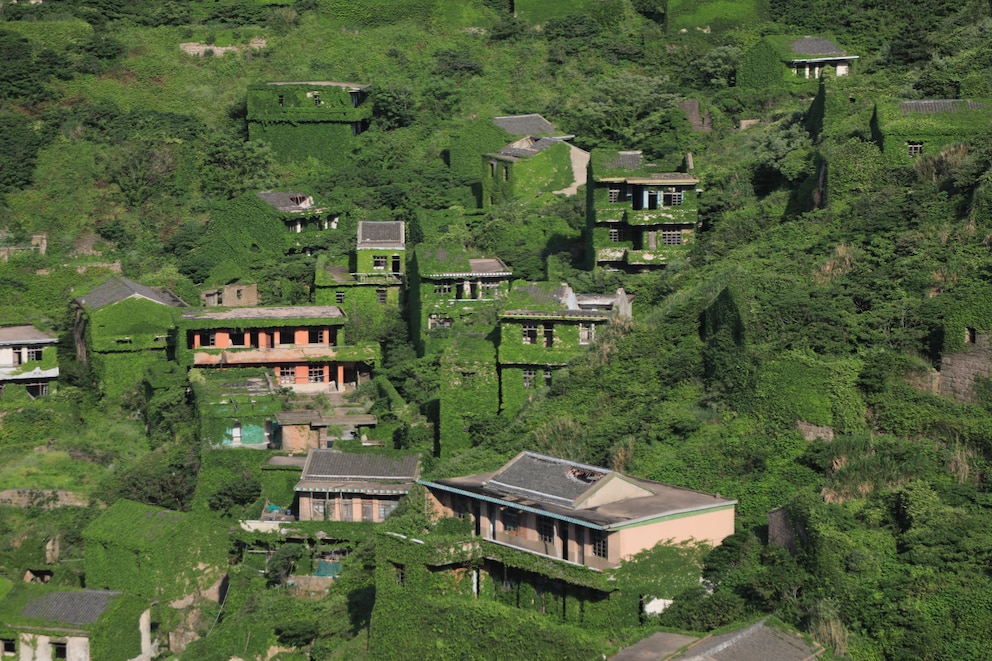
(959, 370)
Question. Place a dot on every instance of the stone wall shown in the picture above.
(958, 370)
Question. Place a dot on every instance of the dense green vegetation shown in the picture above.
(831, 277)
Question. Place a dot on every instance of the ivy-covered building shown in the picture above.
(532, 166)
(42, 623)
(638, 218)
(578, 513)
(27, 359)
(371, 286)
(808, 56)
(449, 289)
(469, 387)
(122, 327)
(906, 129)
(308, 119)
(542, 328)
(342, 486)
(303, 346)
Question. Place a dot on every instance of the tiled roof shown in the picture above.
(815, 46)
(287, 202)
(544, 478)
(70, 607)
(933, 106)
(24, 335)
(383, 234)
(117, 289)
(315, 312)
(334, 465)
(532, 124)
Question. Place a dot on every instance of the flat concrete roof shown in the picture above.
(24, 335)
(294, 312)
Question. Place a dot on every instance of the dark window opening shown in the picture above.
(379, 262)
(282, 100)
(400, 572)
(315, 335)
(380, 295)
(530, 334)
(8, 646)
(316, 98)
(511, 521)
(549, 334)
(315, 374)
(529, 378)
(600, 544)
(546, 530)
(59, 651)
(339, 297)
(34, 354)
(547, 378)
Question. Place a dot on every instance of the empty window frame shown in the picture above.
(60, 651)
(315, 335)
(380, 296)
(546, 529)
(287, 375)
(237, 338)
(914, 148)
(600, 544)
(587, 333)
(34, 354)
(614, 194)
(315, 374)
(672, 198)
(399, 571)
(210, 340)
(548, 332)
(671, 237)
(339, 297)
(547, 378)
(511, 521)
(380, 262)
(530, 333)
(442, 287)
(529, 376)
(437, 321)
(616, 234)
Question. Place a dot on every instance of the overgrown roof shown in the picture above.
(532, 124)
(528, 146)
(630, 166)
(792, 48)
(546, 296)
(436, 262)
(351, 87)
(134, 525)
(118, 289)
(312, 312)
(45, 607)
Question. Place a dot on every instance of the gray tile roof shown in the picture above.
(815, 46)
(24, 335)
(70, 607)
(335, 465)
(547, 479)
(532, 124)
(117, 289)
(381, 234)
(757, 642)
(933, 106)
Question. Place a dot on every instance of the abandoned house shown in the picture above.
(638, 218)
(809, 56)
(340, 486)
(579, 513)
(299, 213)
(233, 295)
(40, 623)
(308, 119)
(542, 328)
(122, 327)
(303, 346)
(27, 359)
(370, 285)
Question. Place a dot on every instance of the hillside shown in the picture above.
(813, 342)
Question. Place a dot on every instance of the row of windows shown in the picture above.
(238, 338)
(8, 647)
(668, 237)
(381, 296)
(669, 197)
(328, 508)
(546, 532)
(544, 333)
(476, 290)
(530, 378)
(287, 374)
(29, 355)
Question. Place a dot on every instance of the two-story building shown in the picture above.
(303, 346)
(27, 358)
(341, 486)
(448, 286)
(638, 218)
(542, 328)
(121, 327)
(578, 513)
(308, 119)
(370, 287)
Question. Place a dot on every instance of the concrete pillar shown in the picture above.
(340, 377)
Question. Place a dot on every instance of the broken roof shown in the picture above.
(117, 289)
(528, 146)
(70, 606)
(629, 166)
(532, 124)
(288, 202)
(589, 495)
(334, 471)
(390, 235)
(24, 335)
(351, 87)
